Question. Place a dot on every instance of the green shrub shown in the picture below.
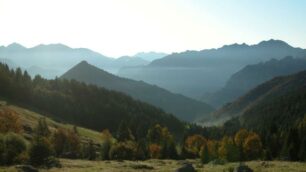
(204, 155)
(105, 147)
(52, 161)
(40, 151)
(1, 149)
(66, 143)
(123, 151)
(229, 169)
(13, 146)
(89, 151)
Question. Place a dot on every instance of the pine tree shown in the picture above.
(124, 133)
(42, 128)
(204, 154)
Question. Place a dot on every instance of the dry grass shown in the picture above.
(31, 118)
(165, 166)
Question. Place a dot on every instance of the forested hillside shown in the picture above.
(252, 75)
(277, 111)
(84, 105)
(182, 107)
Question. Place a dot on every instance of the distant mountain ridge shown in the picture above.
(239, 52)
(252, 75)
(184, 108)
(150, 56)
(193, 73)
(54, 59)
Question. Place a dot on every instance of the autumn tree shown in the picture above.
(212, 146)
(161, 139)
(240, 138)
(9, 121)
(66, 143)
(155, 151)
(108, 140)
(252, 146)
(228, 150)
(194, 143)
(123, 151)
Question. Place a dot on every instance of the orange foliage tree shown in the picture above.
(9, 121)
(194, 143)
(155, 151)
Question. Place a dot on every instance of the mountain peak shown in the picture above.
(235, 46)
(52, 47)
(273, 43)
(83, 65)
(84, 62)
(15, 45)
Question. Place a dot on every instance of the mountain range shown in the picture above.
(182, 107)
(54, 59)
(193, 73)
(150, 56)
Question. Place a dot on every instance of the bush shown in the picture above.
(66, 143)
(155, 151)
(9, 121)
(204, 155)
(123, 151)
(229, 169)
(89, 151)
(40, 151)
(218, 162)
(105, 148)
(13, 146)
(193, 145)
(52, 161)
(1, 149)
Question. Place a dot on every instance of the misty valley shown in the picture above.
(152, 86)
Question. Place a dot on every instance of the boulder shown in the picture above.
(26, 168)
(186, 168)
(243, 168)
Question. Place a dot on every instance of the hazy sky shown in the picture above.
(124, 27)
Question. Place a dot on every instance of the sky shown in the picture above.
(125, 27)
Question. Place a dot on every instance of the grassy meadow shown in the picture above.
(155, 165)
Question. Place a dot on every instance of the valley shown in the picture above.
(161, 86)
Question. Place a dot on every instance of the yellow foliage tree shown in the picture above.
(228, 150)
(212, 146)
(252, 146)
(240, 136)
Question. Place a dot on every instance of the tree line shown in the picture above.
(46, 145)
(80, 104)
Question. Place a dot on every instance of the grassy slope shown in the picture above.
(30, 118)
(166, 166)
